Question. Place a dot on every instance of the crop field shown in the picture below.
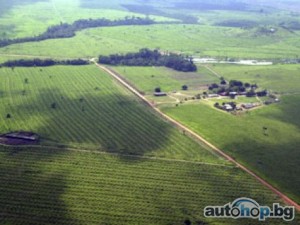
(73, 187)
(106, 157)
(90, 111)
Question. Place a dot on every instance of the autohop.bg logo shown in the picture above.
(248, 208)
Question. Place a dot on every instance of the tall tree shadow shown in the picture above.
(29, 194)
(113, 123)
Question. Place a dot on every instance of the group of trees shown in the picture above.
(43, 62)
(65, 30)
(236, 86)
(147, 57)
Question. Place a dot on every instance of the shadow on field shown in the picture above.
(230, 184)
(278, 162)
(290, 108)
(29, 194)
(114, 123)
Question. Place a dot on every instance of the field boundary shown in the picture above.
(117, 77)
(153, 158)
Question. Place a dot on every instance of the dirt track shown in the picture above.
(285, 198)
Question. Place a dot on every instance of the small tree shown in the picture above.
(265, 130)
(184, 87)
(26, 80)
(157, 89)
(8, 116)
(53, 105)
(223, 82)
(247, 85)
(187, 222)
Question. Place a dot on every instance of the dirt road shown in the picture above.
(285, 198)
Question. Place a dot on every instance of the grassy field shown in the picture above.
(43, 186)
(18, 20)
(277, 78)
(146, 79)
(92, 111)
(197, 40)
(242, 136)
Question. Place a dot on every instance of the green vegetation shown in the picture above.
(277, 78)
(196, 40)
(146, 79)
(17, 19)
(84, 108)
(65, 30)
(107, 158)
(241, 136)
(43, 62)
(62, 187)
(147, 57)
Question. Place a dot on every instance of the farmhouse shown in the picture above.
(212, 95)
(160, 94)
(233, 93)
(227, 107)
(248, 105)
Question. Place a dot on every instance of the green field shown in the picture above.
(18, 20)
(200, 40)
(242, 136)
(283, 79)
(105, 157)
(114, 179)
(93, 111)
(146, 79)
(43, 186)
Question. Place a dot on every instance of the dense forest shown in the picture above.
(65, 30)
(146, 57)
(43, 62)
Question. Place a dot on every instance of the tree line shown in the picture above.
(65, 30)
(147, 57)
(43, 62)
(236, 86)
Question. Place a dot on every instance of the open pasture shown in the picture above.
(147, 79)
(274, 155)
(32, 17)
(196, 40)
(283, 79)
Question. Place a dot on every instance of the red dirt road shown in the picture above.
(285, 198)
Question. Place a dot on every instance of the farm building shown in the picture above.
(248, 105)
(227, 107)
(27, 136)
(213, 95)
(159, 94)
